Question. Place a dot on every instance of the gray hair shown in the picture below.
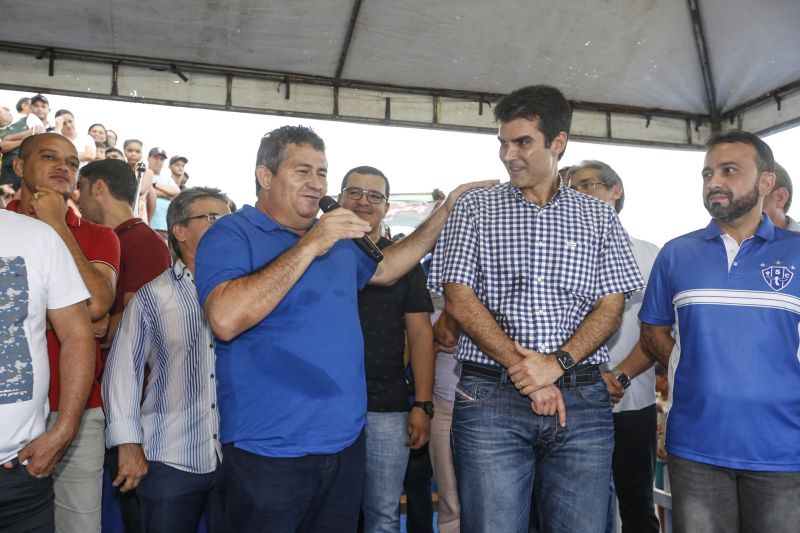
(782, 179)
(607, 175)
(180, 209)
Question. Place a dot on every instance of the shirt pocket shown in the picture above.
(575, 267)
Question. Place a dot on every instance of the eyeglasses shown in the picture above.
(586, 185)
(373, 197)
(211, 217)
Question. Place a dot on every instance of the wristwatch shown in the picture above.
(564, 359)
(622, 377)
(425, 406)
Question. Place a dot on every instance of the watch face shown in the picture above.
(564, 359)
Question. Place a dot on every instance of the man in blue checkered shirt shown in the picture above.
(536, 276)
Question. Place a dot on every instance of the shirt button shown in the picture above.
(215, 435)
(211, 345)
(213, 405)
(212, 376)
(540, 311)
(540, 279)
(539, 243)
(735, 264)
(541, 348)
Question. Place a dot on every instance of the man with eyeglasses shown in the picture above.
(634, 413)
(173, 432)
(280, 288)
(107, 193)
(389, 316)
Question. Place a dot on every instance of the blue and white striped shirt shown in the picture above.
(538, 270)
(165, 328)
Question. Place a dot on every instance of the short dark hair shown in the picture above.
(272, 150)
(21, 102)
(180, 209)
(364, 169)
(114, 149)
(64, 112)
(116, 174)
(129, 141)
(765, 161)
(541, 102)
(782, 179)
(608, 176)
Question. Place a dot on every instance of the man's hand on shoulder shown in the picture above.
(334, 226)
(464, 187)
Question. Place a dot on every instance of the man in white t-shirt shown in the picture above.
(778, 202)
(39, 283)
(634, 460)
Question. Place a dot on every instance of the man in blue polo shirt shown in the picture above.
(279, 288)
(733, 431)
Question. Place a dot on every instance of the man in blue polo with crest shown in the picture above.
(733, 432)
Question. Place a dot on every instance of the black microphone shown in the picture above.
(326, 203)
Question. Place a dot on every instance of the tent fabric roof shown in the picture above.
(700, 60)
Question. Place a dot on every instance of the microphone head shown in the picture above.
(326, 203)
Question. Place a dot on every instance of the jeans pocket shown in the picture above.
(472, 390)
(596, 395)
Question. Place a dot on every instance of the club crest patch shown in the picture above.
(777, 276)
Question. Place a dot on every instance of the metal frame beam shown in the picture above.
(705, 64)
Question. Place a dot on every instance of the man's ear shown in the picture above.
(616, 191)
(18, 164)
(386, 208)
(264, 176)
(179, 231)
(559, 143)
(766, 183)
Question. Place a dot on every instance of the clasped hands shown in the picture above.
(533, 377)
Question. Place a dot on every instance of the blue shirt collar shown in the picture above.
(766, 229)
(263, 221)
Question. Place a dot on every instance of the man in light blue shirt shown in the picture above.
(173, 434)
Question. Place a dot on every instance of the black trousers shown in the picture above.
(417, 485)
(26, 503)
(634, 466)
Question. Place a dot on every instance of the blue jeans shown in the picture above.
(173, 501)
(313, 493)
(712, 499)
(501, 449)
(387, 457)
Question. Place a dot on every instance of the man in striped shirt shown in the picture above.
(174, 431)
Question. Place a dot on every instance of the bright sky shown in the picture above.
(662, 187)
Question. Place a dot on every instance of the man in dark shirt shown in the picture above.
(387, 313)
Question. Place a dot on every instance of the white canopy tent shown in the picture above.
(652, 72)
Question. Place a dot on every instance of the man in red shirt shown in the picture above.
(107, 192)
(48, 165)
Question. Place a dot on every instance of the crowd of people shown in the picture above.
(276, 370)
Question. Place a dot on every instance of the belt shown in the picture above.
(580, 376)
